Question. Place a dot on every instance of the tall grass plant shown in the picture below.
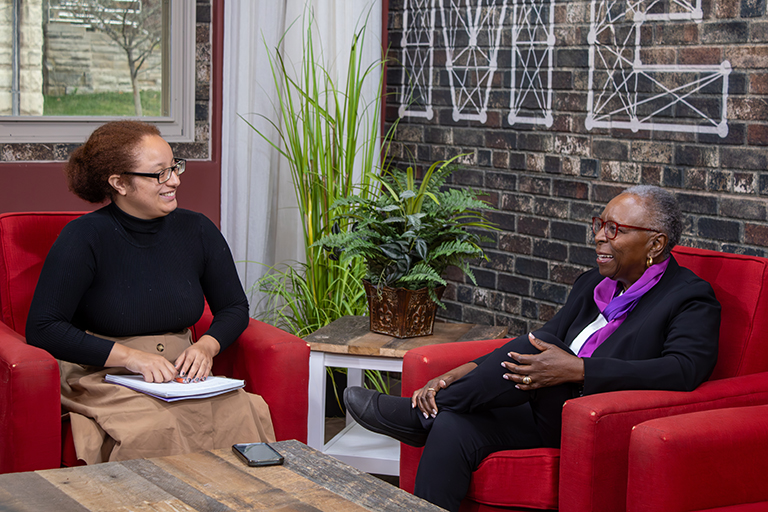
(330, 136)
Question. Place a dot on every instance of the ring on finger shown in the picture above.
(527, 380)
(432, 390)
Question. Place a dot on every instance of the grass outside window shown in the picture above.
(112, 104)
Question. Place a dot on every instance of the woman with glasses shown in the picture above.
(117, 293)
(637, 321)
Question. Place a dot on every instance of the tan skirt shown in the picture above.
(111, 422)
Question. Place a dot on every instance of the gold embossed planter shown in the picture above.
(401, 313)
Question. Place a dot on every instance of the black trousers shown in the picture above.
(483, 413)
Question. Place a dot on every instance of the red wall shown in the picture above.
(40, 186)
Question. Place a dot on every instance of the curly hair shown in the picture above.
(664, 212)
(111, 149)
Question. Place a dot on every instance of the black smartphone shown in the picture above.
(258, 454)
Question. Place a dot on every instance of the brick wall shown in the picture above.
(687, 110)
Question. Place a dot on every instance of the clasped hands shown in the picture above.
(550, 367)
(194, 363)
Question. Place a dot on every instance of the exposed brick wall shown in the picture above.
(548, 181)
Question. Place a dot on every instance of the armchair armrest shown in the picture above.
(700, 460)
(596, 434)
(30, 406)
(275, 365)
(424, 363)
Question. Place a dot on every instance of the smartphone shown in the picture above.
(258, 454)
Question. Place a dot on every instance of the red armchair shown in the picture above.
(708, 460)
(590, 470)
(32, 435)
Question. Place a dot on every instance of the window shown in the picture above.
(67, 66)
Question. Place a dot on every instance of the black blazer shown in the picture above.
(669, 341)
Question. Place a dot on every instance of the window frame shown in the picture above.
(178, 127)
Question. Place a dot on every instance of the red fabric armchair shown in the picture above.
(590, 470)
(708, 460)
(32, 435)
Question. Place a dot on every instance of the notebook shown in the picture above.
(173, 391)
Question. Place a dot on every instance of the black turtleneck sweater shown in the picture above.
(117, 275)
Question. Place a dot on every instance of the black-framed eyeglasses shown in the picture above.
(163, 175)
(612, 228)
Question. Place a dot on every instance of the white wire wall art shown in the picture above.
(626, 92)
(472, 35)
(418, 43)
(632, 84)
(533, 43)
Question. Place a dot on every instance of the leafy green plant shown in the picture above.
(411, 232)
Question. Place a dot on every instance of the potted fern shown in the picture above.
(406, 237)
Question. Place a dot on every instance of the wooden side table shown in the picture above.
(348, 343)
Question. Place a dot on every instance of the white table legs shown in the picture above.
(355, 446)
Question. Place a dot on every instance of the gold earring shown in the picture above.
(649, 262)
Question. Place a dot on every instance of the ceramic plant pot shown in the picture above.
(401, 313)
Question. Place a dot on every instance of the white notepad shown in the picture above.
(173, 391)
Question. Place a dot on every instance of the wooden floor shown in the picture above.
(332, 427)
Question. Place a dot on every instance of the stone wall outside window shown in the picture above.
(199, 149)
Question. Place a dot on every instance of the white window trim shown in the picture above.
(179, 127)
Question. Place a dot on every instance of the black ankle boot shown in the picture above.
(396, 420)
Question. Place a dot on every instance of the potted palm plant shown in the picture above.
(406, 237)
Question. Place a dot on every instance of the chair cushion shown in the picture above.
(25, 239)
(68, 453)
(534, 473)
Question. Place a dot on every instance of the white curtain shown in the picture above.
(259, 217)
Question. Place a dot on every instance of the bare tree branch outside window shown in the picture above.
(135, 26)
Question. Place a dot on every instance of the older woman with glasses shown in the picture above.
(637, 321)
(118, 291)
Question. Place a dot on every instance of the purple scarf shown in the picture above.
(616, 309)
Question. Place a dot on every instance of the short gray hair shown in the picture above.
(663, 210)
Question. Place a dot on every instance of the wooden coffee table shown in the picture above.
(349, 343)
(208, 481)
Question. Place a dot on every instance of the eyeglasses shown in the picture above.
(164, 175)
(612, 228)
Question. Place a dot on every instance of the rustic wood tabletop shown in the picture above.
(351, 335)
(208, 481)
